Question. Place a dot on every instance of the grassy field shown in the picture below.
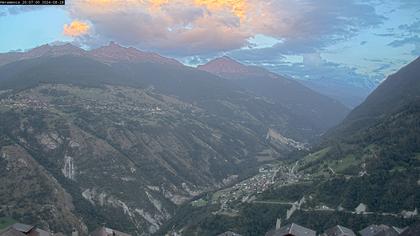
(6, 221)
(317, 155)
(199, 203)
(341, 165)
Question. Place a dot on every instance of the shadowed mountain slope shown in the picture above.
(366, 171)
(315, 109)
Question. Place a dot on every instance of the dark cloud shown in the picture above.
(386, 34)
(410, 36)
(409, 40)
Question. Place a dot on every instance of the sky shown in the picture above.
(352, 40)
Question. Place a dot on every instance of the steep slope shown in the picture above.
(124, 150)
(186, 83)
(129, 147)
(29, 194)
(130, 139)
(366, 171)
(308, 113)
(394, 94)
(297, 118)
(308, 106)
(370, 162)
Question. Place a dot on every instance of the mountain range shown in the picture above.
(107, 54)
(125, 137)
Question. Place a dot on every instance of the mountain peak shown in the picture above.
(53, 50)
(112, 46)
(113, 43)
(114, 52)
(111, 53)
(225, 65)
(228, 67)
(226, 60)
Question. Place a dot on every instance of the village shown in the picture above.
(338, 230)
(247, 190)
(88, 105)
(20, 229)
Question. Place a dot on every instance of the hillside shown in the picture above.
(126, 137)
(302, 117)
(393, 95)
(366, 171)
(130, 151)
(310, 107)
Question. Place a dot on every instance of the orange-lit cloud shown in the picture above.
(191, 27)
(237, 7)
(76, 28)
(187, 26)
(158, 3)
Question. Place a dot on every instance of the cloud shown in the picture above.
(190, 27)
(238, 7)
(409, 40)
(410, 4)
(321, 69)
(412, 40)
(76, 28)
(410, 36)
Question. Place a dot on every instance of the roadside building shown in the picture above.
(23, 228)
(291, 230)
(20, 229)
(11, 232)
(380, 230)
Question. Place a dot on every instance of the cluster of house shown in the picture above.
(19, 229)
(372, 230)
